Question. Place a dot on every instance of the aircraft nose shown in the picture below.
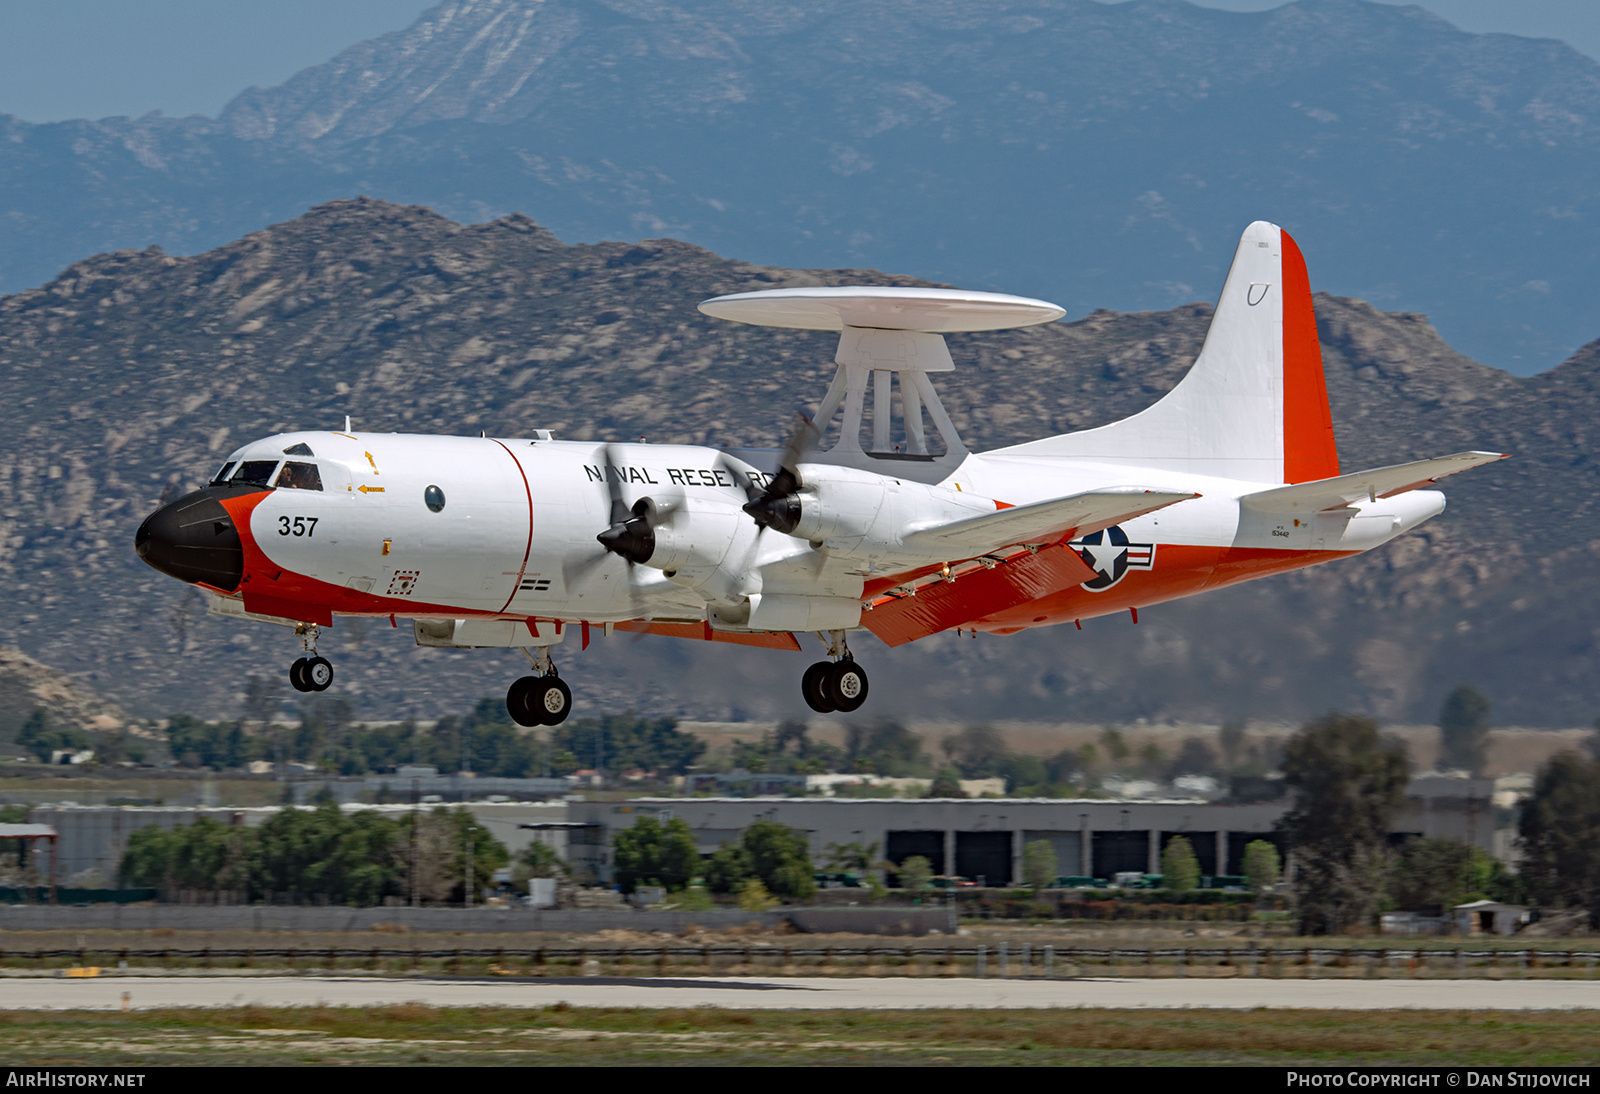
(194, 539)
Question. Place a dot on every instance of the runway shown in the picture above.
(788, 993)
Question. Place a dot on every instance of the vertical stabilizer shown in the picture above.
(1255, 405)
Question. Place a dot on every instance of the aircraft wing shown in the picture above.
(1041, 522)
(1380, 482)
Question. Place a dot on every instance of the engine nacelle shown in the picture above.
(695, 540)
(861, 514)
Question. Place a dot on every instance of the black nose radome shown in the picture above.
(193, 539)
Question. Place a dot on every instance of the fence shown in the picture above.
(1021, 962)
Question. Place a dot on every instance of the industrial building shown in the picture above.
(983, 838)
(94, 837)
(973, 838)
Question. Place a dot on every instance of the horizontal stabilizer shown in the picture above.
(1040, 522)
(1380, 482)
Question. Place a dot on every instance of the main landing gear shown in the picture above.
(543, 700)
(840, 684)
(310, 673)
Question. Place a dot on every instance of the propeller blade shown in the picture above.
(739, 475)
(778, 506)
(802, 439)
(613, 481)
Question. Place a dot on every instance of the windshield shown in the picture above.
(299, 476)
(222, 476)
(255, 473)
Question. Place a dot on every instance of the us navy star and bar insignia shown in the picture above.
(1111, 556)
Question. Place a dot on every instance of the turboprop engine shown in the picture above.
(861, 514)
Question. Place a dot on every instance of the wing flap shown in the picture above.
(1041, 522)
(940, 605)
(1380, 482)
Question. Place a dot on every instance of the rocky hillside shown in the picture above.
(129, 377)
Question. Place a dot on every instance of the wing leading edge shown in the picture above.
(1040, 522)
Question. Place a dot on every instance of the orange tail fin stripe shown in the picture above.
(1309, 452)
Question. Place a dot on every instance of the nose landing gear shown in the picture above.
(312, 672)
(543, 700)
(839, 684)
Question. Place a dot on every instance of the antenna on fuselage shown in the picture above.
(886, 334)
(347, 428)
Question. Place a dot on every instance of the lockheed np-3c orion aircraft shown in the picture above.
(875, 523)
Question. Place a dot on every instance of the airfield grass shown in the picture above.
(415, 1034)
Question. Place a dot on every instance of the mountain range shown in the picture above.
(129, 377)
(1091, 154)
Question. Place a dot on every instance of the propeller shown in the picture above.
(631, 534)
(778, 506)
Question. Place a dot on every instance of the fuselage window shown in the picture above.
(299, 476)
(255, 473)
(222, 476)
(433, 498)
(301, 449)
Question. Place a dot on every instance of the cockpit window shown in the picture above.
(299, 476)
(255, 473)
(222, 476)
(301, 449)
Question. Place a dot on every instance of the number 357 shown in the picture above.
(297, 526)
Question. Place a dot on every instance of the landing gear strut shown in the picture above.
(310, 673)
(839, 684)
(543, 700)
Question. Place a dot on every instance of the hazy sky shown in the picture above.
(99, 58)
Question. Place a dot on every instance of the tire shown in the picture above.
(297, 678)
(847, 685)
(519, 701)
(814, 687)
(318, 673)
(551, 700)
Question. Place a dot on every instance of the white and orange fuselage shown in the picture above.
(493, 541)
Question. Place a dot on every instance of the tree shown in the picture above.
(1194, 757)
(886, 747)
(1262, 866)
(624, 742)
(728, 868)
(754, 897)
(38, 736)
(915, 872)
(773, 852)
(947, 784)
(1039, 864)
(1430, 874)
(1464, 730)
(852, 858)
(655, 854)
(1115, 745)
(1231, 738)
(539, 860)
(1348, 787)
(1179, 866)
(975, 751)
(1561, 834)
(1021, 771)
